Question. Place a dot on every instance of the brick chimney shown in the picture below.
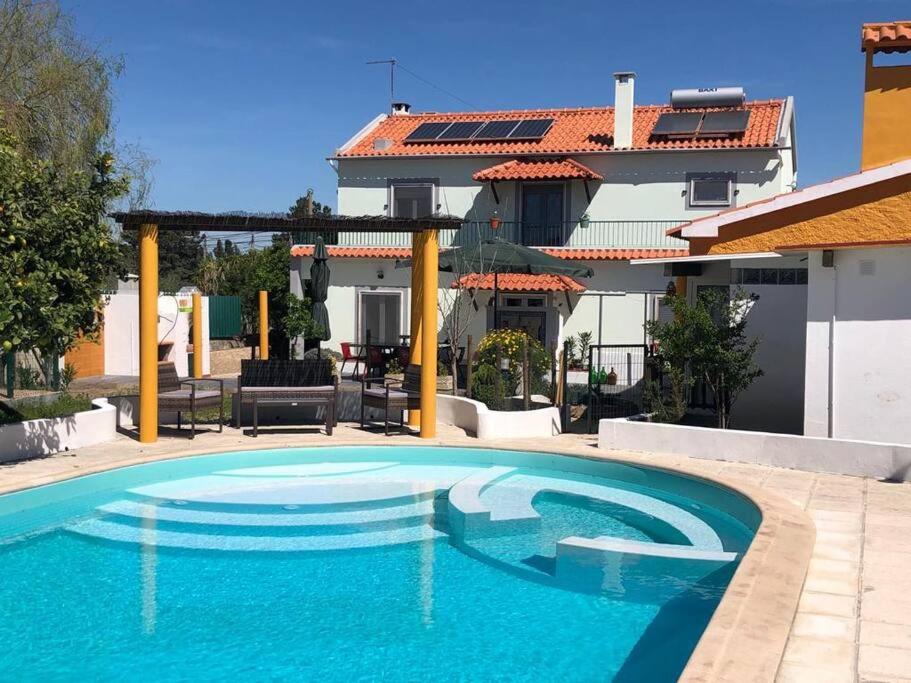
(887, 96)
(624, 82)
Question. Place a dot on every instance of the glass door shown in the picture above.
(381, 316)
(542, 215)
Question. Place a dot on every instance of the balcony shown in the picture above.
(649, 234)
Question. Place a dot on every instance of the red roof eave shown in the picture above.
(515, 282)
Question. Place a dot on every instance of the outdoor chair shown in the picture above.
(347, 355)
(392, 395)
(175, 394)
(288, 382)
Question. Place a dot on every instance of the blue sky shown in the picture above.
(240, 102)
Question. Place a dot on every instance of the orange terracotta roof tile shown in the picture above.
(537, 169)
(891, 36)
(355, 252)
(514, 282)
(595, 254)
(569, 253)
(574, 131)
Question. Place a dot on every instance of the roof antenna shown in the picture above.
(391, 62)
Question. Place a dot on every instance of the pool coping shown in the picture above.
(746, 636)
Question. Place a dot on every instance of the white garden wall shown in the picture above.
(34, 438)
(811, 454)
(478, 419)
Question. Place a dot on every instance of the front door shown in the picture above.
(381, 317)
(532, 322)
(542, 215)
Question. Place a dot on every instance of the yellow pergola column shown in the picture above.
(430, 279)
(263, 325)
(417, 289)
(148, 333)
(197, 335)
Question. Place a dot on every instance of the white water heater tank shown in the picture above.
(686, 98)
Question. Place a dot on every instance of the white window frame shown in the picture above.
(693, 178)
(359, 312)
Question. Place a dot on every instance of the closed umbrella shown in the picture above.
(319, 289)
(501, 256)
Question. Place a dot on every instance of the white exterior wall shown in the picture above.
(857, 340)
(121, 334)
(625, 289)
(637, 185)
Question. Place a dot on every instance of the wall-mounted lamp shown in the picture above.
(380, 274)
(671, 289)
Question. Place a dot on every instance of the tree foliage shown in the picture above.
(180, 254)
(244, 274)
(708, 341)
(54, 87)
(57, 249)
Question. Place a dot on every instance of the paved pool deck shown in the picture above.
(853, 620)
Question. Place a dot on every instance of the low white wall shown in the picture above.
(477, 418)
(34, 438)
(811, 454)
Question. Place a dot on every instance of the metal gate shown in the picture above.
(224, 317)
(617, 375)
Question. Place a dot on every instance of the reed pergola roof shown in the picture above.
(254, 222)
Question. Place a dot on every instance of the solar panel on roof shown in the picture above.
(496, 130)
(462, 130)
(724, 122)
(531, 129)
(677, 123)
(428, 131)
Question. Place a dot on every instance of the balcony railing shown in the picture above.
(650, 234)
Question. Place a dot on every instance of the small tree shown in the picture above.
(58, 250)
(708, 341)
(298, 321)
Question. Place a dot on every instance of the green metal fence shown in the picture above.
(225, 320)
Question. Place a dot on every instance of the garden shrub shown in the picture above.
(512, 344)
(485, 387)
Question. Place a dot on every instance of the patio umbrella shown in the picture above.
(501, 256)
(319, 288)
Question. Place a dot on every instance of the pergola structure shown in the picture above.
(424, 287)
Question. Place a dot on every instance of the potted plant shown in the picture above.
(444, 379)
(584, 221)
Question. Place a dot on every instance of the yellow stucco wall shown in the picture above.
(877, 213)
(887, 115)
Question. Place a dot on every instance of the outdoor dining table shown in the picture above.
(390, 352)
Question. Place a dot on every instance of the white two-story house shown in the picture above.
(600, 185)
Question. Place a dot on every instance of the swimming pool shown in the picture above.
(358, 563)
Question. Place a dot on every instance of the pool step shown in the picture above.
(634, 569)
(470, 518)
(151, 537)
(296, 518)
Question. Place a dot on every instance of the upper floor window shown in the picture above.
(412, 200)
(710, 189)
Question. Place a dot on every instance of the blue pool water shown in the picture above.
(365, 563)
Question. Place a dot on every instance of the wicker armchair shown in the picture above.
(393, 396)
(175, 394)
